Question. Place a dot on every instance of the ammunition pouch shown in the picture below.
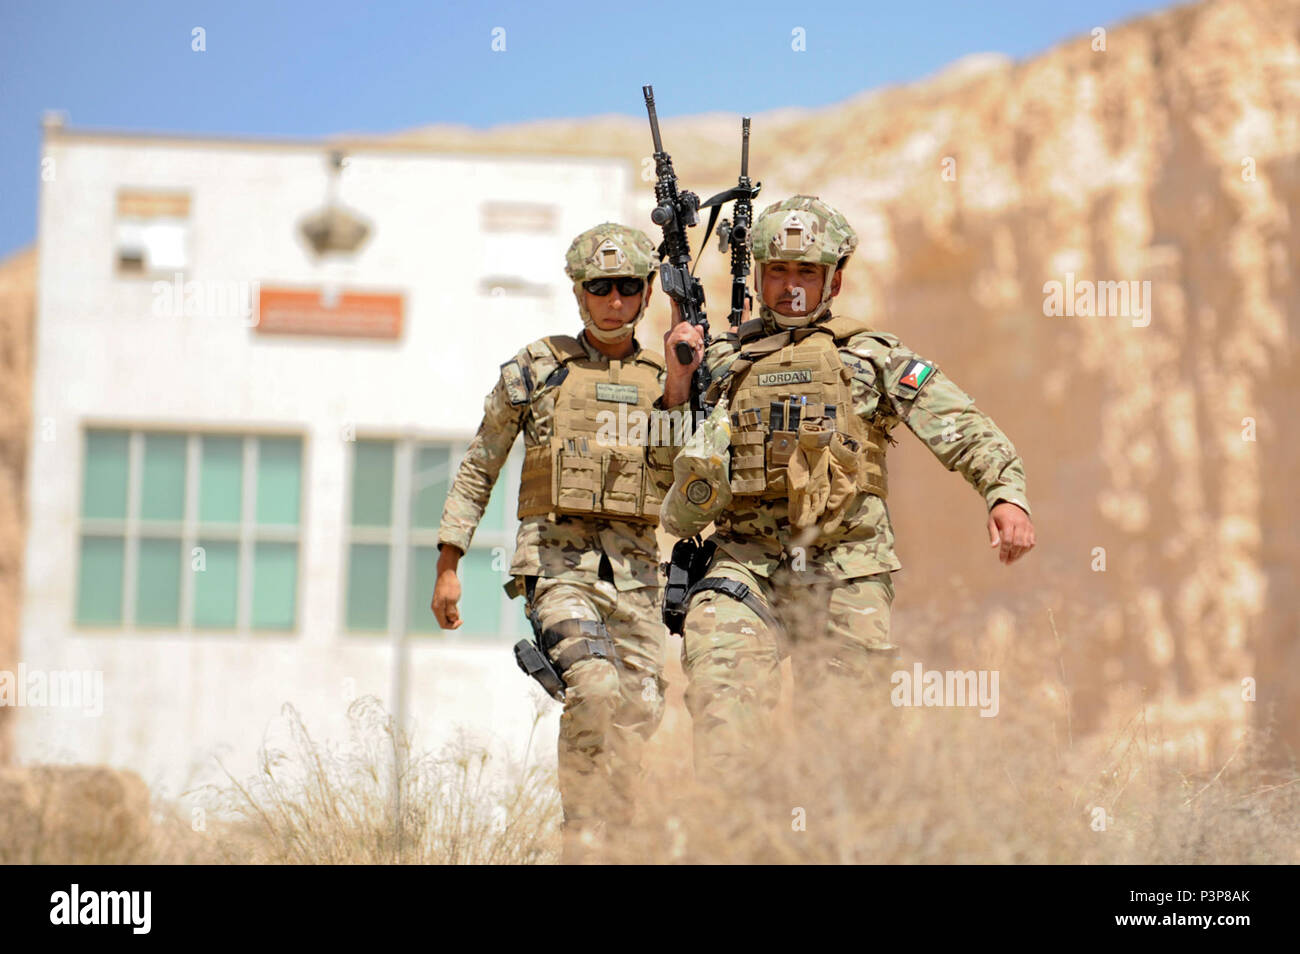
(593, 462)
(794, 430)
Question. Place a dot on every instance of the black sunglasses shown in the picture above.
(626, 286)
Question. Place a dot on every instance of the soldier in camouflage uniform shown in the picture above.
(586, 556)
(790, 467)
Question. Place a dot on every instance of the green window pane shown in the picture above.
(279, 480)
(216, 584)
(368, 587)
(162, 491)
(221, 479)
(158, 582)
(275, 585)
(99, 585)
(481, 593)
(419, 590)
(104, 494)
(372, 484)
(429, 486)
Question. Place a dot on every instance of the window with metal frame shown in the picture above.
(398, 491)
(190, 532)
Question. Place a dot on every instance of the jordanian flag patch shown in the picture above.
(917, 373)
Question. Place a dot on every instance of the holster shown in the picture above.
(687, 566)
(532, 658)
(535, 664)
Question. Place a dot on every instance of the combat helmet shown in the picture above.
(610, 250)
(701, 483)
(801, 228)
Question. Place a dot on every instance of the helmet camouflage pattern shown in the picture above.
(610, 250)
(802, 228)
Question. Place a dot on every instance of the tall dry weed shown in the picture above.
(375, 800)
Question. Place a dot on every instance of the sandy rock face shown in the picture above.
(17, 313)
(1164, 155)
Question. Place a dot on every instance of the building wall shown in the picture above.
(104, 358)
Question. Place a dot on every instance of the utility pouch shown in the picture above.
(578, 490)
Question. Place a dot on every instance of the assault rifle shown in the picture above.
(734, 233)
(676, 211)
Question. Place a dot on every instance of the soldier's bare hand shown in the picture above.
(677, 388)
(446, 594)
(1011, 530)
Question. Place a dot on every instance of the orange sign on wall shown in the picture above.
(297, 311)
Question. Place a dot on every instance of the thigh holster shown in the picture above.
(535, 659)
(593, 641)
(689, 562)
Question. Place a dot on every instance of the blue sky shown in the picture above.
(320, 67)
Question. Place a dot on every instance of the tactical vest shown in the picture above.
(782, 379)
(586, 469)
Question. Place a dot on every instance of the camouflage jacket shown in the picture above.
(567, 548)
(941, 414)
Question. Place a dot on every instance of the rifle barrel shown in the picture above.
(649, 92)
(744, 148)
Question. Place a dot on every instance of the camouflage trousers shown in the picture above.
(609, 711)
(836, 633)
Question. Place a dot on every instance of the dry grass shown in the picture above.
(943, 786)
(858, 780)
(377, 801)
(870, 783)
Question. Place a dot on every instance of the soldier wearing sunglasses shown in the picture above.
(586, 557)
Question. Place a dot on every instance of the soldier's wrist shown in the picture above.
(449, 556)
(1019, 502)
(676, 392)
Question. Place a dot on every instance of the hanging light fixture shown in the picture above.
(333, 229)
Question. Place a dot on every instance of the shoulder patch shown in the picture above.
(856, 360)
(916, 373)
(518, 382)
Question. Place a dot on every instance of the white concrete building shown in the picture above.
(226, 516)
